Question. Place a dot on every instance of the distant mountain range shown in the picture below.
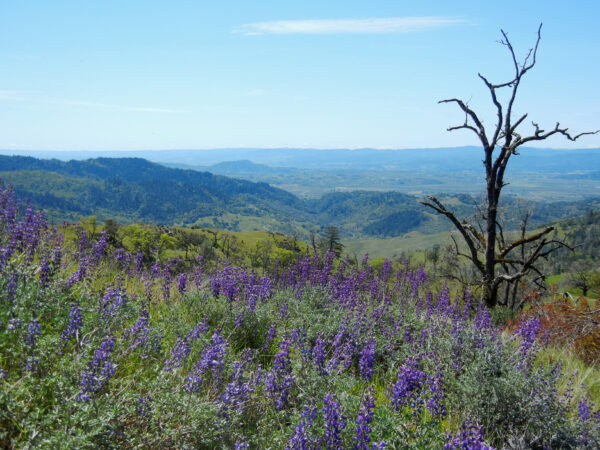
(134, 189)
(423, 159)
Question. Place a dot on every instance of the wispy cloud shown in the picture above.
(20, 96)
(336, 26)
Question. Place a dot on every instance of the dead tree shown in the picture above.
(485, 250)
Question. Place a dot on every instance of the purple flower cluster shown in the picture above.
(239, 285)
(211, 361)
(279, 380)
(301, 440)
(114, 299)
(528, 331)
(367, 360)
(470, 437)
(335, 422)
(84, 259)
(416, 389)
(99, 371)
(319, 356)
(183, 347)
(73, 328)
(237, 392)
(181, 283)
(141, 337)
(33, 331)
(362, 432)
(99, 249)
(144, 407)
(408, 386)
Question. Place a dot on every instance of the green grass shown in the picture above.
(394, 247)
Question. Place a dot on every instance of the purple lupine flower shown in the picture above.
(386, 271)
(301, 439)
(140, 334)
(181, 283)
(437, 394)
(198, 272)
(238, 390)
(148, 291)
(45, 270)
(343, 349)
(319, 356)
(483, 321)
(144, 407)
(11, 286)
(467, 303)
(298, 336)
(139, 262)
(122, 258)
(241, 444)
(282, 364)
(212, 359)
(443, 303)
(183, 347)
(84, 260)
(14, 324)
(33, 331)
(335, 422)
(367, 360)
(528, 331)
(583, 410)
(408, 386)
(156, 269)
(279, 379)
(99, 371)
(179, 355)
(99, 248)
(429, 303)
(271, 335)
(470, 437)
(200, 328)
(114, 298)
(365, 261)
(283, 310)
(73, 328)
(363, 422)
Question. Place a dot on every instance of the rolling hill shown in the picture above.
(134, 189)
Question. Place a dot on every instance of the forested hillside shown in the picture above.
(133, 189)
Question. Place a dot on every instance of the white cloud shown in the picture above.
(336, 26)
(19, 96)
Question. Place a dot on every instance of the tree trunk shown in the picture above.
(489, 291)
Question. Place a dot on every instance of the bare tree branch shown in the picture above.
(437, 206)
(480, 131)
(534, 237)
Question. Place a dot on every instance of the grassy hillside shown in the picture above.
(103, 348)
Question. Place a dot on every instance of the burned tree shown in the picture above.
(487, 248)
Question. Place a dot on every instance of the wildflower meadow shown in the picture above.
(100, 347)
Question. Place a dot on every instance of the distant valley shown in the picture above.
(540, 174)
(134, 189)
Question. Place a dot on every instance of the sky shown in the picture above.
(139, 75)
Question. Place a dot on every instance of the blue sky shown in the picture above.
(125, 75)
